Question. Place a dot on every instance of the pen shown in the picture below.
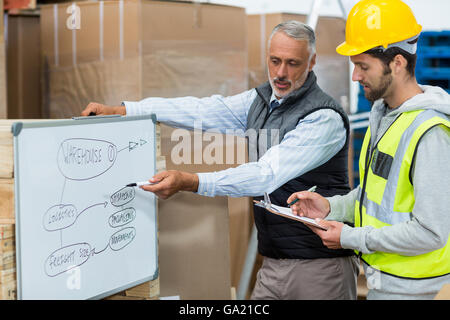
(142, 183)
(312, 189)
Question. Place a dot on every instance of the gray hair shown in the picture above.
(298, 31)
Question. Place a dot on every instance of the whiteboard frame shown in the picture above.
(16, 129)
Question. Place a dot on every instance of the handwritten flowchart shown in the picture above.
(80, 232)
(83, 159)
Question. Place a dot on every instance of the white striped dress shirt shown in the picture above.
(315, 140)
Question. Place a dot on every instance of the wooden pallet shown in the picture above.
(7, 262)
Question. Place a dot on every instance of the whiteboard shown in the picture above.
(80, 233)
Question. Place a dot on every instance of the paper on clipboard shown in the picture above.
(287, 213)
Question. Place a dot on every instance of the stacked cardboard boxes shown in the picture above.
(112, 51)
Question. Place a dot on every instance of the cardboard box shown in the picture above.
(23, 67)
(128, 50)
(330, 32)
(194, 230)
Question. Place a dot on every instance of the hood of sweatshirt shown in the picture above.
(432, 98)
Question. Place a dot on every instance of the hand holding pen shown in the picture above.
(166, 183)
(312, 189)
(309, 204)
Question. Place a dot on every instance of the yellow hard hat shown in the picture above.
(374, 23)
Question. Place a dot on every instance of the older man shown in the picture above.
(313, 130)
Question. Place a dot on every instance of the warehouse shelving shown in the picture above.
(433, 59)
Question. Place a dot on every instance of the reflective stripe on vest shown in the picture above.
(388, 195)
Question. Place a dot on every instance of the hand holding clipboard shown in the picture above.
(315, 206)
(286, 212)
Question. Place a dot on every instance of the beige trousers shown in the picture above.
(307, 279)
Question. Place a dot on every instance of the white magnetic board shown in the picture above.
(80, 233)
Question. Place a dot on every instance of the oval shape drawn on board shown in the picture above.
(83, 159)
(122, 238)
(122, 217)
(123, 196)
(66, 258)
(59, 217)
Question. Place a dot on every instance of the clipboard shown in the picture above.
(287, 213)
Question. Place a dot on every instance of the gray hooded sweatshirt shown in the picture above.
(429, 228)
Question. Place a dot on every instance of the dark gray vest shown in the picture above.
(279, 237)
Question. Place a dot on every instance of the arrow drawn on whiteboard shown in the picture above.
(104, 204)
(62, 216)
(94, 252)
(133, 145)
(119, 240)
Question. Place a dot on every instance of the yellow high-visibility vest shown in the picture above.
(387, 195)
